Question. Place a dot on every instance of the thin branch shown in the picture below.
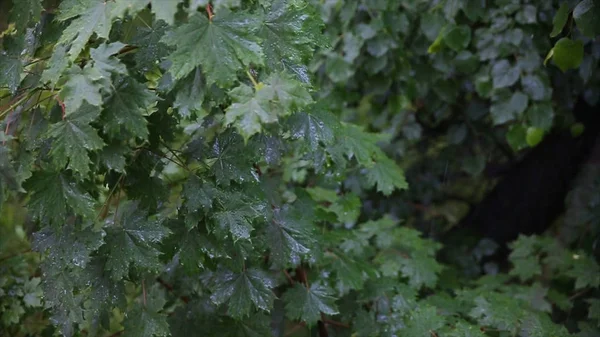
(288, 276)
(336, 323)
(144, 291)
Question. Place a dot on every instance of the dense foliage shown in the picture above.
(285, 167)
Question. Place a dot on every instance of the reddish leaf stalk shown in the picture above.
(209, 11)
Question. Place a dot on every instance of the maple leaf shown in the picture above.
(67, 306)
(73, 138)
(222, 46)
(229, 159)
(57, 64)
(150, 48)
(315, 128)
(132, 243)
(67, 246)
(104, 64)
(289, 34)
(145, 320)
(273, 99)
(290, 234)
(10, 71)
(307, 304)
(25, 12)
(53, 195)
(286, 92)
(81, 85)
(190, 96)
(249, 111)
(8, 176)
(163, 9)
(126, 107)
(236, 217)
(386, 175)
(91, 16)
(356, 143)
(422, 322)
(242, 291)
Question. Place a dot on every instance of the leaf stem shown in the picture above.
(144, 291)
(252, 79)
(209, 11)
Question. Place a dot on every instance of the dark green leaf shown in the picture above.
(560, 19)
(73, 138)
(307, 304)
(222, 46)
(126, 107)
(242, 291)
(586, 15)
(567, 54)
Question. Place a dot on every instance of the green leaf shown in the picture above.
(132, 243)
(242, 291)
(499, 311)
(165, 10)
(286, 93)
(190, 96)
(289, 34)
(290, 234)
(113, 157)
(517, 137)
(567, 54)
(279, 96)
(104, 63)
(81, 85)
(387, 176)
(540, 115)
(67, 246)
(66, 305)
(314, 128)
(351, 273)
(125, 109)
(249, 111)
(585, 271)
(504, 75)
(151, 50)
(536, 88)
(508, 109)
(10, 71)
(53, 196)
(146, 319)
(356, 143)
(594, 310)
(236, 219)
(458, 37)
(222, 46)
(526, 267)
(534, 136)
(73, 138)
(538, 325)
(422, 322)
(25, 12)
(56, 65)
(91, 17)
(33, 293)
(307, 304)
(586, 15)
(230, 160)
(560, 19)
(347, 208)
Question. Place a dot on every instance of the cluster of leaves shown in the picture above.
(216, 167)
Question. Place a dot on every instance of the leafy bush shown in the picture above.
(282, 167)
